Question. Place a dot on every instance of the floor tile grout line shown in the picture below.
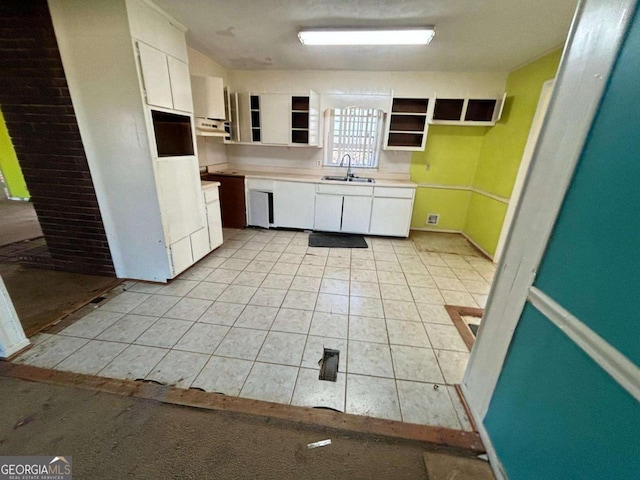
(393, 369)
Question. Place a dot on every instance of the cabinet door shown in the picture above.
(181, 201)
(180, 84)
(275, 119)
(391, 216)
(155, 76)
(314, 118)
(293, 204)
(244, 117)
(259, 208)
(356, 214)
(200, 243)
(208, 97)
(150, 26)
(328, 213)
(214, 221)
(181, 255)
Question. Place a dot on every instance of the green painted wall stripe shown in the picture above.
(9, 165)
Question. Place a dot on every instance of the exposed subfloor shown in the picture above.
(252, 318)
(114, 436)
(19, 221)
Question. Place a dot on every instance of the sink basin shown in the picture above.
(349, 179)
(335, 179)
(362, 180)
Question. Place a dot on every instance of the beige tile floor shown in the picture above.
(252, 318)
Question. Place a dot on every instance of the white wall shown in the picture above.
(406, 84)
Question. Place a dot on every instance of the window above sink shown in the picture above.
(356, 132)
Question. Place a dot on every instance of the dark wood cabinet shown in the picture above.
(232, 200)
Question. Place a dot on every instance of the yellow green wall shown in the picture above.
(502, 149)
(9, 165)
(450, 158)
(478, 159)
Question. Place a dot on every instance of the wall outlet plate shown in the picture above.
(433, 218)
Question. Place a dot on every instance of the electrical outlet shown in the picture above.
(427, 167)
(433, 218)
(318, 163)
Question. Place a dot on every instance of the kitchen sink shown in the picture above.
(349, 179)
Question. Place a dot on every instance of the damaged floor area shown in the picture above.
(114, 436)
(253, 318)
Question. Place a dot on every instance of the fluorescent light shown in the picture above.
(378, 36)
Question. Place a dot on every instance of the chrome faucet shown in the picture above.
(350, 174)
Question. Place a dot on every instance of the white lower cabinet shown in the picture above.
(214, 221)
(328, 213)
(356, 213)
(338, 213)
(214, 218)
(329, 207)
(293, 204)
(391, 216)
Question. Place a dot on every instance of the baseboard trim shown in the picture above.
(437, 230)
(475, 244)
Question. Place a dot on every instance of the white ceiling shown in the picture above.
(471, 35)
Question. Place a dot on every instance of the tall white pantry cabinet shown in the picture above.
(123, 59)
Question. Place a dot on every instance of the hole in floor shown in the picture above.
(329, 365)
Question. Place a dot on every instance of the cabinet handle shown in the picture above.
(341, 213)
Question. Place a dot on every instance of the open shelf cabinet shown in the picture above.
(467, 111)
(407, 124)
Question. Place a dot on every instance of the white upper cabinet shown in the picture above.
(208, 97)
(149, 24)
(472, 111)
(180, 84)
(407, 126)
(275, 119)
(155, 76)
(166, 79)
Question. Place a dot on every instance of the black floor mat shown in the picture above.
(337, 240)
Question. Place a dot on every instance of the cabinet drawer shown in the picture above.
(260, 184)
(345, 190)
(393, 192)
(211, 195)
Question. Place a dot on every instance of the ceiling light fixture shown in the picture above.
(377, 36)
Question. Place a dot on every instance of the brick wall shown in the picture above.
(35, 100)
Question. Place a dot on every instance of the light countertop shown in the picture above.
(311, 178)
(205, 185)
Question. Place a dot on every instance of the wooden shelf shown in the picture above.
(448, 109)
(255, 118)
(300, 119)
(407, 124)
